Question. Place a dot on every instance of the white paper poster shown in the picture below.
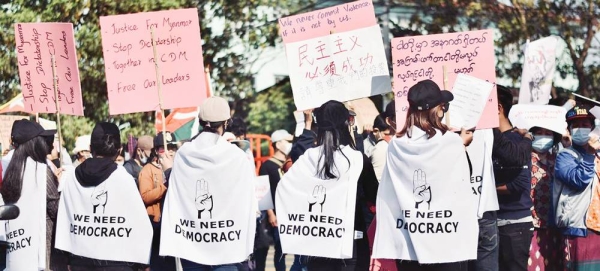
(470, 97)
(525, 116)
(262, 190)
(341, 66)
(539, 66)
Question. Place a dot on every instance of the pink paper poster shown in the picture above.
(129, 60)
(319, 23)
(36, 44)
(424, 57)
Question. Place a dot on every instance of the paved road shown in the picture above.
(289, 259)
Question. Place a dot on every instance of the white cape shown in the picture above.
(426, 211)
(209, 216)
(27, 233)
(483, 182)
(105, 222)
(315, 216)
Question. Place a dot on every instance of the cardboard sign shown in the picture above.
(470, 97)
(262, 189)
(424, 57)
(36, 44)
(525, 116)
(6, 123)
(335, 54)
(129, 60)
(538, 71)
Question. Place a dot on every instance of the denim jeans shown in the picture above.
(279, 257)
(192, 266)
(487, 248)
(515, 240)
(299, 263)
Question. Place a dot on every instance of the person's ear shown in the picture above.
(500, 109)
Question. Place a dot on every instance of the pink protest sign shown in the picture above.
(36, 44)
(129, 60)
(424, 57)
(323, 22)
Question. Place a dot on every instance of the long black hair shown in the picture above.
(333, 132)
(37, 149)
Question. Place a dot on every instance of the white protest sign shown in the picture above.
(539, 66)
(262, 189)
(470, 98)
(343, 67)
(526, 116)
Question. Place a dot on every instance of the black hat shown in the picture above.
(102, 129)
(390, 110)
(426, 95)
(158, 139)
(579, 112)
(25, 130)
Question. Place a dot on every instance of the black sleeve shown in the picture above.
(360, 144)
(304, 142)
(273, 173)
(509, 153)
(167, 176)
(367, 182)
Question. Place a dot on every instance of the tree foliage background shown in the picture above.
(235, 33)
(230, 31)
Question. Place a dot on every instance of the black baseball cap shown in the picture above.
(104, 128)
(25, 130)
(426, 94)
(158, 139)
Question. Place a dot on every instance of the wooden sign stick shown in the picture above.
(446, 88)
(56, 101)
(160, 96)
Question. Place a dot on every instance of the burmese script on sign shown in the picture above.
(129, 60)
(36, 44)
(343, 66)
(424, 57)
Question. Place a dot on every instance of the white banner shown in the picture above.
(341, 66)
(526, 116)
(94, 223)
(318, 212)
(470, 98)
(426, 210)
(210, 211)
(539, 66)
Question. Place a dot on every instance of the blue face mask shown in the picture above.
(542, 143)
(580, 136)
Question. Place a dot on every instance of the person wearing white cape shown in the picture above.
(102, 221)
(209, 214)
(29, 184)
(426, 212)
(331, 185)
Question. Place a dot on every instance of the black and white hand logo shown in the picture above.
(204, 200)
(421, 190)
(99, 198)
(318, 196)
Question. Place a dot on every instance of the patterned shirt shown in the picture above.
(541, 189)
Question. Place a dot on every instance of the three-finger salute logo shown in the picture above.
(421, 190)
(318, 196)
(204, 200)
(99, 198)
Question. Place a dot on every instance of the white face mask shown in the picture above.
(542, 143)
(119, 163)
(143, 157)
(287, 148)
(580, 136)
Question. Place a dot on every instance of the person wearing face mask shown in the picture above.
(380, 130)
(82, 149)
(121, 158)
(576, 193)
(545, 244)
(282, 144)
(153, 188)
(142, 147)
